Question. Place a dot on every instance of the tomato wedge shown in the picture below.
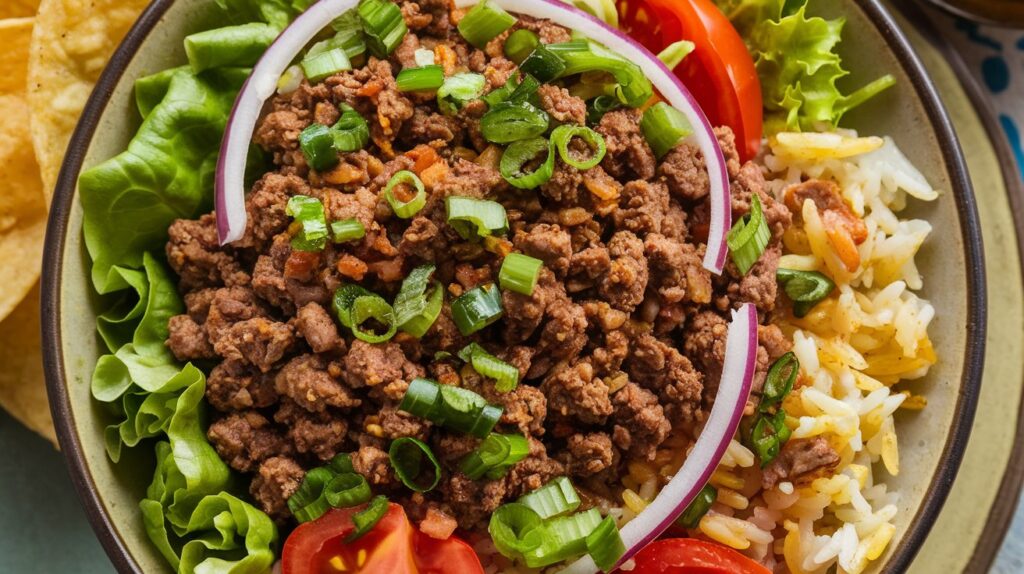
(692, 556)
(720, 72)
(393, 546)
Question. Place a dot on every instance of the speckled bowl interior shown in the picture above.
(932, 441)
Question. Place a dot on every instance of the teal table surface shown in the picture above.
(42, 526)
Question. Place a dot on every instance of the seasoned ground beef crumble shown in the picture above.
(621, 341)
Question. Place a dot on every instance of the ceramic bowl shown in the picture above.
(932, 440)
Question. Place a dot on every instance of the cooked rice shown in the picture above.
(853, 348)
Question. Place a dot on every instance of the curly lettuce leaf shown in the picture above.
(797, 63)
(188, 506)
(165, 174)
(277, 13)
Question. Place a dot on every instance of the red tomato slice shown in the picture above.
(393, 546)
(692, 556)
(719, 72)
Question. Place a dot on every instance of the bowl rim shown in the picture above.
(64, 195)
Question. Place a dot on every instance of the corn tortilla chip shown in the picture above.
(18, 8)
(22, 390)
(22, 206)
(22, 227)
(72, 42)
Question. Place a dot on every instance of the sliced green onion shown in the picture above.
(690, 518)
(779, 381)
(309, 212)
(345, 299)
(341, 463)
(563, 538)
(317, 145)
(599, 106)
(804, 288)
(366, 519)
(515, 529)
(564, 134)
(324, 65)
(519, 273)
(768, 435)
(348, 489)
(475, 218)
(373, 307)
(520, 44)
(409, 458)
(351, 133)
(748, 237)
(452, 407)
(415, 309)
(477, 308)
(501, 94)
(633, 88)
(543, 64)
(605, 545)
(513, 121)
(495, 455)
(420, 79)
(424, 57)
(458, 90)
(505, 375)
(485, 22)
(555, 498)
(525, 90)
(405, 209)
(422, 399)
(384, 26)
(308, 502)
(347, 230)
(675, 53)
(664, 128)
(517, 156)
(349, 35)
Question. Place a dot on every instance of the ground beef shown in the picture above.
(640, 422)
(589, 454)
(561, 106)
(373, 464)
(187, 339)
(246, 439)
(306, 380)
(194, 252)
(624, 285)
(318, 328)
(621, 339)
(276, 481)
(685, 173)
(575, 392)
(800, 461)
(234, 386)
(627, 154)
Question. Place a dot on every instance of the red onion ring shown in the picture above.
(733, 392)
(230, 177)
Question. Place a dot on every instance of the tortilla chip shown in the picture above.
(22, 206)
(18, 8)
(16, 34)
(72, 42)
(22, 390)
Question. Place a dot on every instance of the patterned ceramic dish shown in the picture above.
(934, 440)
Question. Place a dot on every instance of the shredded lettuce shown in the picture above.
(797, 63)
(190, 511)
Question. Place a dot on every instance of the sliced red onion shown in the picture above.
(733, 392)
(230, 191)
(234, 148)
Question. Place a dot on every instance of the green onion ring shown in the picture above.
(564, 134)
(407, 457)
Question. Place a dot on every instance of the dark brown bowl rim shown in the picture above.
(64, 195)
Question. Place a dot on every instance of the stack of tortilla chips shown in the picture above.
(52, 53)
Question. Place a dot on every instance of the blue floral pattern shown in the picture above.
(996, 57)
